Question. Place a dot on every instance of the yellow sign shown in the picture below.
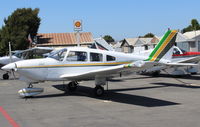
(77, 25)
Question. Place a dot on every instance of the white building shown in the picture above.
(189, 41)
(130, 45)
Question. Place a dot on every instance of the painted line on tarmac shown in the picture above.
(8, 117)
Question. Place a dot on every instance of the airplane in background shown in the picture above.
(179, 56)
(19, 55)
(182, 53)
(100, 43)
(76, 64)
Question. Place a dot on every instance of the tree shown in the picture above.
(149, 35)
(108, 38)
(193, 26)
(18, 26)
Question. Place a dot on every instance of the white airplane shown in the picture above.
(80, 63)
(19, 55)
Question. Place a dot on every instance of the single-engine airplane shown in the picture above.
(76, 64)
(19, 55)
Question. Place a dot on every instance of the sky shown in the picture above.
(118, 18)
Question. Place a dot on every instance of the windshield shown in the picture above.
(18, 54)
(183, 51)
(59, 55)
(176, 51)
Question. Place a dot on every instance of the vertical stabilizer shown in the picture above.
(164, 48)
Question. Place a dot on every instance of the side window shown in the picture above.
(77, 56)
(96, 57)
(110, 58)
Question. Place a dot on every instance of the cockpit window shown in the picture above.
(77, 56)
(18, 54)
(59, 55)
(176, 51)
(183, 50)
(96, 57)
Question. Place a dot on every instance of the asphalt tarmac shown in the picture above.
(133, 101)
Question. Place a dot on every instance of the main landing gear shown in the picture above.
(72, 86)
(5, 76)
(98, 91)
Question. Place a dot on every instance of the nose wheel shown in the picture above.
(5, 76)
(98, 91)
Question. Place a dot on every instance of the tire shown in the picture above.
(156, 73)
(72, 86)
(98, 91)
(5, 76)
(193, 73)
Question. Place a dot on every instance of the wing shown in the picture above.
(108, 71)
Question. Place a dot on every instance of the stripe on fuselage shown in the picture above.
(76, 65)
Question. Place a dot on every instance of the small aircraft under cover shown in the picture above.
(76, 64)
(31, 53)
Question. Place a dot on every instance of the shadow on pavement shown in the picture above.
(175, 85)
(113, 95)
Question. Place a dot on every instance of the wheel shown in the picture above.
(72, 86)
(98, 91)
(156, 73)
(193, 73)
(5, 76)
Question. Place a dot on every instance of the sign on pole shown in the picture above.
(77, 29)
(77, 25)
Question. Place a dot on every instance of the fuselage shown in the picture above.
(72, 60)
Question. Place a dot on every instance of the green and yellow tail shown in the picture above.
(163, 47)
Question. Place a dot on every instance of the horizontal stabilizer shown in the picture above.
(181, 64)
(195, 59)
